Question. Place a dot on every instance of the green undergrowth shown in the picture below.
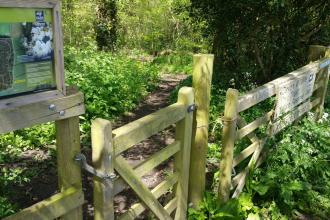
(293, 183)
(112, 84)
(175, 63)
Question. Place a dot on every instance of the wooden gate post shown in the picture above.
(182, 158)
(103, 161)
(228, 141)
(202, 78)
(69, 172)
(318, 52)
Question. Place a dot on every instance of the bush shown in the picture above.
(112, 84)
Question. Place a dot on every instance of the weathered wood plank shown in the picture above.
(293, 92)
(202, 77)
(14, 118)
(146, 166)
(248, 129)
(158, 158)
(68, 146)
(158, 191)
(269, 89)
(245, 154)
(53, 207)
(183, 133)
(228, 140)
(242, 123)
(139, 130)
(139, 188)
(29, 3)
(292, 116)
(250, 166)
(171, 205)
(16, 102)
(324, 80)
(58, 48)
(102, 157)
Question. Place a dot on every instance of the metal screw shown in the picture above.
(62, 113)
(52, 107)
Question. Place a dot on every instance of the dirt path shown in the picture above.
(153, 102)
(44, 183)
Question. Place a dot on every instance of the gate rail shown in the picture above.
(108, 146)
(236, 128)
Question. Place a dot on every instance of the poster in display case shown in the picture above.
(31, 58)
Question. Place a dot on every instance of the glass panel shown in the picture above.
(26, 51)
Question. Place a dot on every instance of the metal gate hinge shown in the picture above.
(81, 159)
(192, 108)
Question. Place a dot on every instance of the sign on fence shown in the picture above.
(293, 92)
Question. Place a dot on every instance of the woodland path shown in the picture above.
(44, 183)
(158, 99)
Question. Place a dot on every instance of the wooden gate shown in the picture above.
(295, 94)
(108, 146)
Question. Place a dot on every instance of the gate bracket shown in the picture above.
(192, 108)
(81, 159)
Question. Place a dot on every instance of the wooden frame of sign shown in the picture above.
(28, 109)
(58, 61)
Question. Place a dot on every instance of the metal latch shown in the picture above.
(192, 108)
(81, 159)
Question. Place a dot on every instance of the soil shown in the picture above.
(44, 184)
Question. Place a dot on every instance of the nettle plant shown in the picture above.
(296, 174)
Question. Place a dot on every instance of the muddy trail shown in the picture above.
(44, 183)
(160, 98)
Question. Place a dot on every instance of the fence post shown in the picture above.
(182, 158)
(228, 141)
(317, 52)
(103, 161)
(69, 172)
(202, 78)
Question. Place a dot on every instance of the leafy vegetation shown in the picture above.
(115, 52)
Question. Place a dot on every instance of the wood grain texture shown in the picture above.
(141, 129)
(29, 3)
(228, 140)
(69, 172)
(202, 78)
(53, 207)
(183, 133)
(248, 129)
(17, 117)
(102, 157)
(140, 189)
(158, 158)
(269, 89)
(158, 191)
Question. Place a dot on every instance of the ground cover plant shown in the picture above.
(293, 183)
(117, 50)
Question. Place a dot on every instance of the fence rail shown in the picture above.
(285, 112)
(107, 148)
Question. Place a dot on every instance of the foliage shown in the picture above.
(106, 25)
(235, 209)
(296, 172)
(175, 63)
(157, 25)
(78, 22)
(263, 38)
(112, 84)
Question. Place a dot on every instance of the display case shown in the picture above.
(31, 50)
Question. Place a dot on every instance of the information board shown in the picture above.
(26, 51)
(294, 92)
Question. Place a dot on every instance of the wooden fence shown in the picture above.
(108, 146)
(295, 94)
(64, 110)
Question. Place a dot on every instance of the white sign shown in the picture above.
(293, 92)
